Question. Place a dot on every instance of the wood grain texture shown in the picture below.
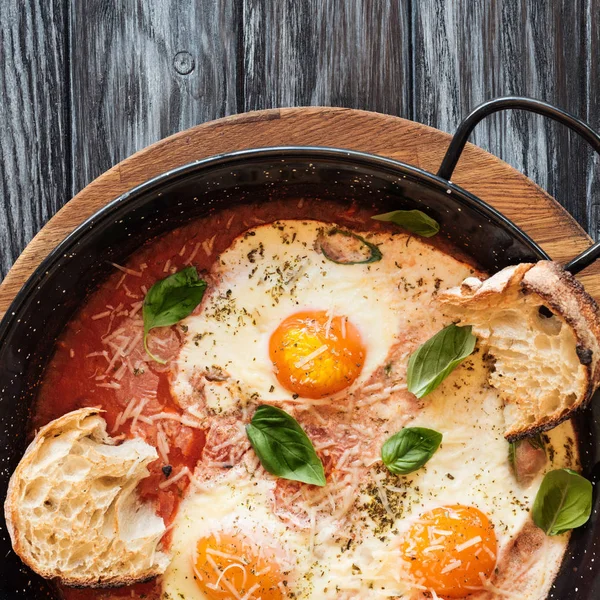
(34, 121)
(487, 176)
(143, 70)
(88, 82)
(469, 51)
(355, 54)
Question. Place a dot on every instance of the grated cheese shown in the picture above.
(138, 411)
(183, 472)
(120, 281)
(226, 583)
(135, 308)
(101, 315)
(114, 334)
(118, 354)
(190, 423)
(328, 324)
(304, 361)
(126, 270)
(112, 384)
(451, 567)
(193, 254)
(120, 372)
(129, 293)
(207, 245)
(434, 547)
(469, 543)
(373, 387)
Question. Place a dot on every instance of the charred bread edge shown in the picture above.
(567, 298)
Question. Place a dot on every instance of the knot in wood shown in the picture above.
(184, 63)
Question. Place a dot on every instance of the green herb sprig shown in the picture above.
(415, 221)
(170, 300)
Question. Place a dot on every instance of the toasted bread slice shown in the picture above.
(545, 360)
(72, 510)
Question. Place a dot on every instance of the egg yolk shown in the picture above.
(233, 567)
(450, 550)
(316, 355)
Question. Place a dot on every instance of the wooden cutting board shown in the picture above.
(479, 172)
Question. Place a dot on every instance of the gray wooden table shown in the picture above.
(85, 83)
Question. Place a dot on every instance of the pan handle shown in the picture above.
(465, 129)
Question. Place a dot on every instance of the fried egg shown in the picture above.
(227, 545)
(283, 321)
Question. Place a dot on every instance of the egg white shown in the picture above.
(276, 270)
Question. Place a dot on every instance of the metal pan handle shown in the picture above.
(465, 129)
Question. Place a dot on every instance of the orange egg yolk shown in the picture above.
(450, 550)
(315, 355)
(233, 567)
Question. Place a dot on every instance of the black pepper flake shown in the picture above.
(449, 476)
(167, 470)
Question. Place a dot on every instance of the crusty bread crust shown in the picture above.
(71, 471)
(524, 289)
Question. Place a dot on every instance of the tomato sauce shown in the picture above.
(100, 361)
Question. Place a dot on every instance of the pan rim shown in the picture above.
(282, 152)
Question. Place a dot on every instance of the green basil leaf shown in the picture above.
(432, 362)
(512, 456)
(283, 447)
(414, 221)
(563, 502)
(170, 300)
(409, 449)
(347, 248)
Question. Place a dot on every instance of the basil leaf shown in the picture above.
(409, 449)
(414, 221)
(563, 502)
(347, 248)
(512, 456)
(283, 447)
(170, 300)
(432, 362)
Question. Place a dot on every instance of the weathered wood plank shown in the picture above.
(144, 70)
(34, 124)
(325, 52)
(472, 50)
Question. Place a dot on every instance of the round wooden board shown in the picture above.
(481, 173)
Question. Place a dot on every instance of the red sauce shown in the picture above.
(80, 374)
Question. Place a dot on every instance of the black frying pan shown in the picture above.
(61, 283)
